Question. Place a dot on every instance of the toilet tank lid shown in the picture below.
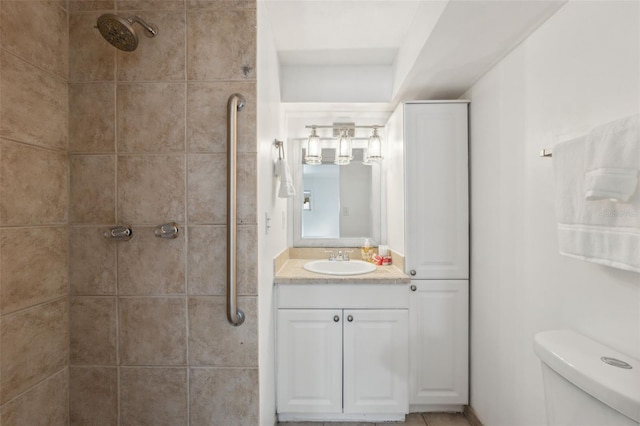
(578, 359)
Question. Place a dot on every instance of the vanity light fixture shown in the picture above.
(313, 149)
(344, 152)
(374, 148)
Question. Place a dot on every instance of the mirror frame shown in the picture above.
(376, 219)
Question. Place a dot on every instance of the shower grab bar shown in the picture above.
(236, 103)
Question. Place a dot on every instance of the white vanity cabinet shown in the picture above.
(348, 362)
(439, 344)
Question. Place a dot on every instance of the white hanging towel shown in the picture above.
(287, 189)
(613, 160)
(600, 231)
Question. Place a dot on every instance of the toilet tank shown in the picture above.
(587, 383)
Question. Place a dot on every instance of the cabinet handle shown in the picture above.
(412, 272)
(350, 318)
(336, 318)
(413, 288)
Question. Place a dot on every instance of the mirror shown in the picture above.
(335, 206)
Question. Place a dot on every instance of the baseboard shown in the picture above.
(471, 416)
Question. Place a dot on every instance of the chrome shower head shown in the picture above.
(119, 31)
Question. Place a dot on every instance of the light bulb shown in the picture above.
(313, 150)
(374, 148)
(344, 153)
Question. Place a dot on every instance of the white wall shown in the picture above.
(273, 242)
(580, 69)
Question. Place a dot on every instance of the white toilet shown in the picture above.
(587, 383)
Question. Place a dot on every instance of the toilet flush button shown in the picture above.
(616, 362)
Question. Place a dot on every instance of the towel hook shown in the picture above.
(280, 145)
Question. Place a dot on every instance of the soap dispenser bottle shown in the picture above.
(366, 251)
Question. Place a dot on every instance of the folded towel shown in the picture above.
(602, 231)
(612, 184)
(613, 160)
(286, 181)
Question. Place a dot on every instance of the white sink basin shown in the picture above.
(334, 267)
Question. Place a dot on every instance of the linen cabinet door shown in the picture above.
(436, 191)
(439, 343)
(376, 361)
(309, 360)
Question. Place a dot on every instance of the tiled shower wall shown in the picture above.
(150, 341)
(34, 185)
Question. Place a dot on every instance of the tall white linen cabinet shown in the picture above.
(429, 223)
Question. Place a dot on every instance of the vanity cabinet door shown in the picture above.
(309, 360)
(376, 361)
(436, 190)
(439, 342)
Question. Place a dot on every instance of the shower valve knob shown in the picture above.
(167, 230)
(119, 233)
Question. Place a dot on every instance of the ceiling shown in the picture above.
(386, 51)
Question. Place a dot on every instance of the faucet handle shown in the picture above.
(346, 254)
(332, 255)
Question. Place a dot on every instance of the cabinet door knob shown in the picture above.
(350, 318)
(413, 288)
(336, 318)
(412, 272)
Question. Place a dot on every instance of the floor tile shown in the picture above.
(445, 419)
(413, 419)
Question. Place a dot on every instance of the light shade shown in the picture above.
(374, 148)
(313, 149)
(344, 153)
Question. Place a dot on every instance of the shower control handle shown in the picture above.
(167, 230)
(119, 233)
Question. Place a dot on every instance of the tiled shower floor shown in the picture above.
(415, 419)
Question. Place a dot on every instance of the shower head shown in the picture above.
(119, 31)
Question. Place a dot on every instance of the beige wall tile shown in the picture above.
(213, 341)
(30, 96)
(151, 118)
(82, 5)
(151, 265)
(93, 189)
(207, 257)
(150, 5)
(94, 396)
(207, 116)
(151, 189)
(92, 262)
(34, 266)
(230, 396)
(33, 185)
(207, 260)
(153, 331)
(247, 189)
(92, 118)
(44, 405)
(92, 325)
(221, 44)
(33, 345)
(207, 190)
(92, 58)
(36, 31)
(160, 57)
(215, 4)
(154, 396)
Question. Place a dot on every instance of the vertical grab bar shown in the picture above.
(235, 104)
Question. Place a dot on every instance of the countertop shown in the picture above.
(292, 272)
